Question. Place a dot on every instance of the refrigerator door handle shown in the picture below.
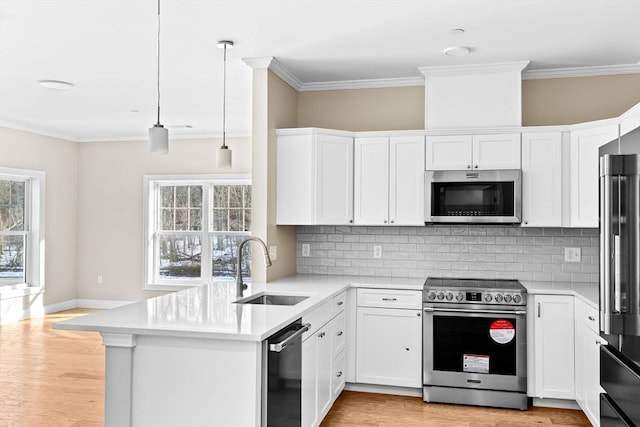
(606, 253)
(617, 303)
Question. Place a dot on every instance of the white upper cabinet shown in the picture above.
(371, 192)
(630, 120)
(584, 172)
(500, 151)
(314, 178)
(449, 152)
(542, 179)
(389, 181)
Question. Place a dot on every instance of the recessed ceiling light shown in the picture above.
(55, 84)
(135, 111)
(456, 51)
(457, 31)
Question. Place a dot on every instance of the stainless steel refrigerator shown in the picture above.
(620, 281)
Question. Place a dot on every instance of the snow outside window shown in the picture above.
(21, 229)
(194, 227)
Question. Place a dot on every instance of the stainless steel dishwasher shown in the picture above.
(282, 377)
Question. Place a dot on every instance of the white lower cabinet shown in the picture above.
(389, 340)
(553, 351)
(323, 367)
(587, 363)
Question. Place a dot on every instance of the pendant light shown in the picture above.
(224, 153)
(158, 134)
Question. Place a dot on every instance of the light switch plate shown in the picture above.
(273, 253)
(572, 254)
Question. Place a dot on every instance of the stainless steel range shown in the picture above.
(474, 342)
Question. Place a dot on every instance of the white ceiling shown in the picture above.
(107, 48)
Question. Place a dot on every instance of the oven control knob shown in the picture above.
(517, 299)
(488, 297)
(431, 295)
(459, 296)
(507, 298)
(440, 296)
(498, 297)
(449, 296)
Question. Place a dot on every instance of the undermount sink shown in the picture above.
(273, 299)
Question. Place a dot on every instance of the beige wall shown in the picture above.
(59, 160)
(398, 108)
(544, 102)
(110, 209)
(579, 99)
(274, 106)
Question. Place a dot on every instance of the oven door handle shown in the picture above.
(462, 310)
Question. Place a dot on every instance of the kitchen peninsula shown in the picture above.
(194, 356)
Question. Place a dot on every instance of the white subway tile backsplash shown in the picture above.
(450, 251)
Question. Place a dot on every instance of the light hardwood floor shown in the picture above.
(51, 378)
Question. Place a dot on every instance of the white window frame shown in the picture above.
(34, 228)
(151, 185)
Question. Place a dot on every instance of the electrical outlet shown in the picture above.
(572, 254)
(306, 249)
(273, 253)
(100, 279)
(377, 251)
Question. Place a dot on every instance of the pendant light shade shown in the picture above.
(224, 153)
(158, 139)
(158, 134)
(224, 157)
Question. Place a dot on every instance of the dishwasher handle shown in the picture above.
(278, 347)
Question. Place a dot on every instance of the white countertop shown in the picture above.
(588, 292)
(210, 312)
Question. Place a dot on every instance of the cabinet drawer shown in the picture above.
(339, 303)
(338, 376)
(317, 318)
(338, 334)
(591, 318)
(389, 298)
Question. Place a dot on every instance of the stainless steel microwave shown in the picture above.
(481, 196)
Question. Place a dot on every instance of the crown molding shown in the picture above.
(286, 75)
(363, 84)
(258, 63)
(450, 70)
(601, 70)
(36, 130)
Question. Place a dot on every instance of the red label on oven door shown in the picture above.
(502, 331)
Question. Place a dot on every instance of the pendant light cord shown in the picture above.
(158, 88)
(224, 99)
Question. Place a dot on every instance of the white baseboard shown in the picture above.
(556, 403)
(384, 389)
(84, 303)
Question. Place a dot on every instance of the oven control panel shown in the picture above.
(461, 296)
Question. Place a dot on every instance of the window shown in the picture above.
(194, 226)
(21, 228)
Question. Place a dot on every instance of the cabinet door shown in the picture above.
(325, 372)
(406, 180)
(310, 382)
(542, 179)
(389, 347)
(584, 173)
(496, 151)
(591, 406)
(371, 202)
(334, 180)
(338, 378)
(554, 346)
(448, 152)
(580, 353)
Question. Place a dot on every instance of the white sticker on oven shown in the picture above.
(502, 331)
(475, 363)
